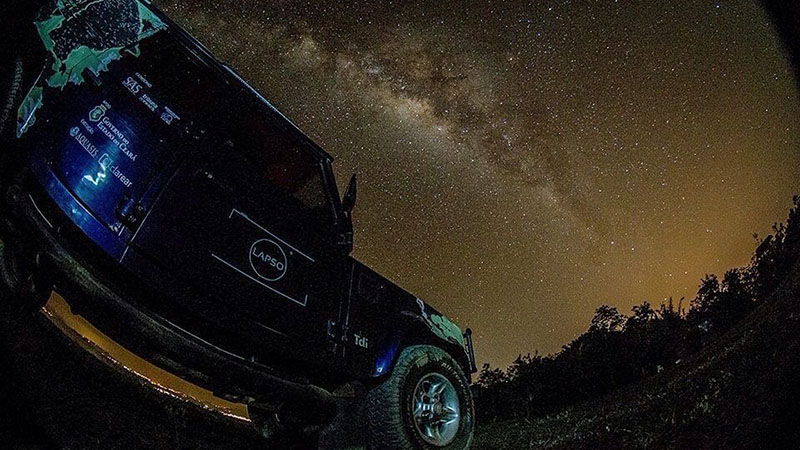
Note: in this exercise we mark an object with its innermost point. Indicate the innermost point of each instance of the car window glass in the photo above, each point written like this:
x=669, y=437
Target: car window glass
x=284, y=162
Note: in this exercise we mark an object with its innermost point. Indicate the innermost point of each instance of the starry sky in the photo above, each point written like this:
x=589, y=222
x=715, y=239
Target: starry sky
x=522, y=163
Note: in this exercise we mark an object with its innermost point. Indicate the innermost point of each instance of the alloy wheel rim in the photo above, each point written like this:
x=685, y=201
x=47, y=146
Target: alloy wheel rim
x=436, y=410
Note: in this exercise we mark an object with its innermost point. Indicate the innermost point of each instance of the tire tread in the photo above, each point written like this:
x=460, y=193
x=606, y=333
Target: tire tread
x=384, y=403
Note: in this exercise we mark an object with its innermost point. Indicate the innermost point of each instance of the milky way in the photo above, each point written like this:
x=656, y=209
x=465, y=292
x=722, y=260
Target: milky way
x=521, y=164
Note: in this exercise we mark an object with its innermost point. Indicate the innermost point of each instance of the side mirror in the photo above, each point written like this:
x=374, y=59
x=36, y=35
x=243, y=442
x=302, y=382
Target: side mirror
x=349, y=198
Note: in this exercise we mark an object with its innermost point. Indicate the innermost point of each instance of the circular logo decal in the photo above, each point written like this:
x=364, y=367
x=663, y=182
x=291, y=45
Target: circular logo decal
x=268, y=260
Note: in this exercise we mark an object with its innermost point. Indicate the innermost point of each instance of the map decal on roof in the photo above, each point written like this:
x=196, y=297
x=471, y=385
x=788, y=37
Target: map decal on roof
x=85, y=35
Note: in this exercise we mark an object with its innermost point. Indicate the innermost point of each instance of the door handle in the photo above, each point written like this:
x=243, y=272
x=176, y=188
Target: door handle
x=129, y=211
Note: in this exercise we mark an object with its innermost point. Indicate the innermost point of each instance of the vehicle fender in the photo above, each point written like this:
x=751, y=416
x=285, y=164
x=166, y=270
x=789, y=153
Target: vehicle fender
x=414, y=329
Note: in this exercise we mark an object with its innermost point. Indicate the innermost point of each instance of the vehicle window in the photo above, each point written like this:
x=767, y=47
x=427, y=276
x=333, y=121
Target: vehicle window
x=285, y=163
x=277, y=161
x=168, y=80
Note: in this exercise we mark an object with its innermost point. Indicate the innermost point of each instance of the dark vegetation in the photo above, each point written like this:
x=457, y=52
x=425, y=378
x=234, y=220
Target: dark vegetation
x=619, y=350
x=740, y=392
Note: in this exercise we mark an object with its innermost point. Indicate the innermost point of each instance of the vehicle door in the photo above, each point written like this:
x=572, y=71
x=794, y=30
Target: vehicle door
x=250, y=219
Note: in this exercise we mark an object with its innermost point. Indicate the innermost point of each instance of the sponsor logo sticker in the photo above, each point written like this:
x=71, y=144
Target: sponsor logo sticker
x=97, y=114
x=268, y=260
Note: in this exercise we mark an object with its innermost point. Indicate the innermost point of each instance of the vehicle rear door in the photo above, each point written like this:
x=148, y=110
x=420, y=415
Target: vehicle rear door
x=109, y=131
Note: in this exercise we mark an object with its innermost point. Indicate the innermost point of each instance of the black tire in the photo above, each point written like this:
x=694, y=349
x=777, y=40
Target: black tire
x=8, y=280
x=389, y=406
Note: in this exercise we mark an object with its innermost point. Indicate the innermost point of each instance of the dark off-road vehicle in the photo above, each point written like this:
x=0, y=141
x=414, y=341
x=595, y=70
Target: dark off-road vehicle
x=181, y=214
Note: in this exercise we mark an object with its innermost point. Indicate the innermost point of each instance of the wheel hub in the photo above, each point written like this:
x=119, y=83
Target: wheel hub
x=436, y=410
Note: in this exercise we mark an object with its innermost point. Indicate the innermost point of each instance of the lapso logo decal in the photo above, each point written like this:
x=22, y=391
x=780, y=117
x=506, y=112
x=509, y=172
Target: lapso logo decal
x=268, y=260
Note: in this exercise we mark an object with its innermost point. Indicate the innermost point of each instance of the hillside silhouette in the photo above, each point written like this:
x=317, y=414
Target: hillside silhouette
x=718, y=372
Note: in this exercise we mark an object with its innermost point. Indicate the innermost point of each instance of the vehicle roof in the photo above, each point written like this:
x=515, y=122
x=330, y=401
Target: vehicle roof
x=224, y=70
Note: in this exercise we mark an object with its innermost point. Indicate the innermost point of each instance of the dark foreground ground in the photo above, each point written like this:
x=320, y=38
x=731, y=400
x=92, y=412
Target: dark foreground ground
x=53, y=396
x=741, y=393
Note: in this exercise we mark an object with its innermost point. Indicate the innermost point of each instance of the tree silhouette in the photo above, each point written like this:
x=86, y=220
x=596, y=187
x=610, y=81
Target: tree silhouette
x=617, y=349
x=607, y=319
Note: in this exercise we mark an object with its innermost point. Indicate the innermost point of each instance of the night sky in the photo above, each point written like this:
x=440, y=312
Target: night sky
x=522, y=163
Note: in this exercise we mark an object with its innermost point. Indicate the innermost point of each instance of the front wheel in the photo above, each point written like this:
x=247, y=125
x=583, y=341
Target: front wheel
x=425, y=404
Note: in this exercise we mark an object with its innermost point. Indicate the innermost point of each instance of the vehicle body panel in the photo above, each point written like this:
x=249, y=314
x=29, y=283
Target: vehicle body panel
x=200, y=189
